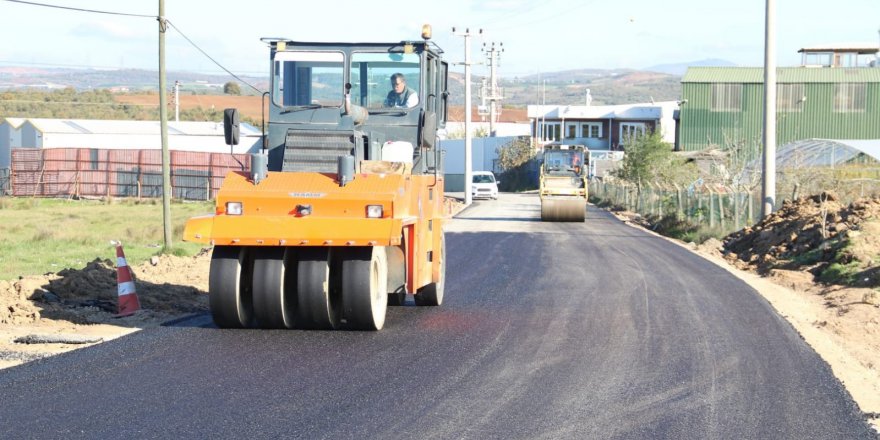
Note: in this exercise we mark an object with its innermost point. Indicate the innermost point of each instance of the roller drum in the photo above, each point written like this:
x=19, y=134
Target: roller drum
x=563, y=209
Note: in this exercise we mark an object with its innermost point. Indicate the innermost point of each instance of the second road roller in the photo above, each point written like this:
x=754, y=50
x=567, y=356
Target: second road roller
x=564, y=183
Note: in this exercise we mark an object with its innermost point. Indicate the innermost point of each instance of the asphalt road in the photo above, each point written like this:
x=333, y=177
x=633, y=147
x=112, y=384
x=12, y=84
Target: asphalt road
x=549, y=331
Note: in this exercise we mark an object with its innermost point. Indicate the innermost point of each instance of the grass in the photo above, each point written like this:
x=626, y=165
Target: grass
x=47, y=235
x=841, y=273
x=685, y=230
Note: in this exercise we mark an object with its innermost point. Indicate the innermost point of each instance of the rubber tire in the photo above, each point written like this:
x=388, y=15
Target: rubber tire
x=317, y=290
x=274, y=287
x=432, y=294
x=230, y=291
x=364, y=287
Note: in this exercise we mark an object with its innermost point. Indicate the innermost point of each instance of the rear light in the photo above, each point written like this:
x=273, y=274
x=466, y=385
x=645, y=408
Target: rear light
x=374, y=211
x=233, y=208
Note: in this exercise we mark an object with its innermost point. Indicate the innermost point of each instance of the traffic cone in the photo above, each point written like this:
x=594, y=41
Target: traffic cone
x=128, y=300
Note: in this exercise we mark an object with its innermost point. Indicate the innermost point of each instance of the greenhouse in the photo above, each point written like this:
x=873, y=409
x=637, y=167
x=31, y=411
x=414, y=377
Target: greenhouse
x=827, y=153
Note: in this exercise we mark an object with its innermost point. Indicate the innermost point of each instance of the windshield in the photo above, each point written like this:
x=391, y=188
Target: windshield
x=483, y=178
x=563, y=162
x=372, y=75
x=308, y=79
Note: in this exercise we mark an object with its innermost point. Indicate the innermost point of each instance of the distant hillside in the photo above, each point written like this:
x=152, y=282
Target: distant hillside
x=120, y=79
x=607, y=87
x=619, y=86
x=680, y=68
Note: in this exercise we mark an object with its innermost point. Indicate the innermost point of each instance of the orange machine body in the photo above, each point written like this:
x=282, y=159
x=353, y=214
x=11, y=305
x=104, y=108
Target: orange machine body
x=412, y=215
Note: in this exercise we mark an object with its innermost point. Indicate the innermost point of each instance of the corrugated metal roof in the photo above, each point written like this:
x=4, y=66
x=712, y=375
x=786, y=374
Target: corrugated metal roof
x=14, y=122
x=860, y=47
x=783, y=75
x=92, y=126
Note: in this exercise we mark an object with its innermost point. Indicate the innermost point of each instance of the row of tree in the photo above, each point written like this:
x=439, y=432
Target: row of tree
x=69, y=103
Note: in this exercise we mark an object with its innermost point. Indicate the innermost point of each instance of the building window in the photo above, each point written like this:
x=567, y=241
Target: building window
x=823, y=59
x=726, y=97
x=850, y=97
x=631, y=130
x=591, y=130
x=790, y=97
x=570, y=131
x=552, y=131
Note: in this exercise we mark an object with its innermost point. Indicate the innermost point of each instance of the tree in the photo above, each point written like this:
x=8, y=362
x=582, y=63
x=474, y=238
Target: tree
x=515, y=154
x=517, y=167
x=648, y=159
x=231, y=88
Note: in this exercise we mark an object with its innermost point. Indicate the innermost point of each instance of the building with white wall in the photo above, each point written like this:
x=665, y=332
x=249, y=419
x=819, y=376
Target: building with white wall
x=601, y=127
x=132, y=135
x=10, y=134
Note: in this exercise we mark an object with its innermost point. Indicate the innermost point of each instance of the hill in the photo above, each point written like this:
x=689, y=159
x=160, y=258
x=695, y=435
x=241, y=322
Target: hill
x=12, y=77
x=680, y=68
x=618, y=86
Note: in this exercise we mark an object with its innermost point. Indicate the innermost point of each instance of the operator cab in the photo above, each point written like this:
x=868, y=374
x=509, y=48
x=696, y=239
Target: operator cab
x=329, y=100
x=564, y=160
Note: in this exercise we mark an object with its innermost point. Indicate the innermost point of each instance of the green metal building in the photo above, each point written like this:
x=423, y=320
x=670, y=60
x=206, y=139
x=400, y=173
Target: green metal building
x=724, y=106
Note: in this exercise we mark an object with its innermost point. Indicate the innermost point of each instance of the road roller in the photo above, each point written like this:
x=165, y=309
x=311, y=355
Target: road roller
x=564, y=183
x=339, y=212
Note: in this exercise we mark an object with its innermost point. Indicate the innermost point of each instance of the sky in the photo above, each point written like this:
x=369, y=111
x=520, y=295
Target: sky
x=537, y=35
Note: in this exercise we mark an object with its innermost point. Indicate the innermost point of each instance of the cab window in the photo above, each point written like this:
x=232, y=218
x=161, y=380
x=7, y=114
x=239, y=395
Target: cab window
x=371, y=76
x=308, y=79
x=563, y=162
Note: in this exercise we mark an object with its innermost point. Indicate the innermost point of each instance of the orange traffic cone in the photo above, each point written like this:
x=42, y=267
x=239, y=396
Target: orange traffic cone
x=128, y=300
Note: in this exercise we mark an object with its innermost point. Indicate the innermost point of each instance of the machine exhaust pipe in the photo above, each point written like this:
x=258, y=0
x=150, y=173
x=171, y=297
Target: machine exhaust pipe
x=345, y=169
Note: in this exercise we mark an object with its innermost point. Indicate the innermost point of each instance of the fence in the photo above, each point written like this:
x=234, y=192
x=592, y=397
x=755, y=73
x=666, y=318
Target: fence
x=61, y=172
x=718, y=208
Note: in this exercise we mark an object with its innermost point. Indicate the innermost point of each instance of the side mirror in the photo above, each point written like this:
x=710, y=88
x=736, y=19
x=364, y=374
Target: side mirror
x=231, y=128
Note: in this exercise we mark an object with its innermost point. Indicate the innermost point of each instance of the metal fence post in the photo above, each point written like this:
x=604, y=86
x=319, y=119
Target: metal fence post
x=736, y=214
x=711, y=209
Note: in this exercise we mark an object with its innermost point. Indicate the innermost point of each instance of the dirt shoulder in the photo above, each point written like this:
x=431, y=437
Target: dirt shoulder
x=54, y=313
x=48, y=314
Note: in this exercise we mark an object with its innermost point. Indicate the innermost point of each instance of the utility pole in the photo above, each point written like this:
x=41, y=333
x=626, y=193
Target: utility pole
x=492, y=53
x=468, y=163
x=768, y=204
x=163, y=123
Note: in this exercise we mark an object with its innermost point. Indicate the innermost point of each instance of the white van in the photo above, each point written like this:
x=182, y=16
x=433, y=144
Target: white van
x=484, y=185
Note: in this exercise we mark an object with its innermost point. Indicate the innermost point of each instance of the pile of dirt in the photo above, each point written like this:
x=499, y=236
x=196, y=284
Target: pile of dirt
x=167, y=286
x=15, y=307
x=452, y=206
x=817, y=234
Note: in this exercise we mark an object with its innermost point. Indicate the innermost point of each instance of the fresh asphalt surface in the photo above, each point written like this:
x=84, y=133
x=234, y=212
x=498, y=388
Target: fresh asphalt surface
x=548, y=331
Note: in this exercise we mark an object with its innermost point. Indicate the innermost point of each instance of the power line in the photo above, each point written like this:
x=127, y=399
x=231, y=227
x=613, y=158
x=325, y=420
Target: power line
x=143, y=16
x=80, y=9
x=209, y=57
